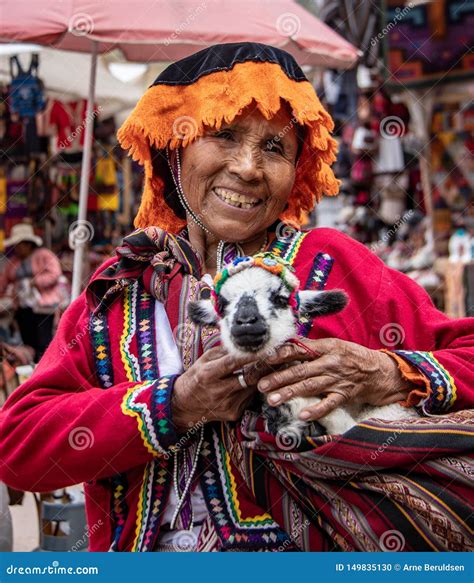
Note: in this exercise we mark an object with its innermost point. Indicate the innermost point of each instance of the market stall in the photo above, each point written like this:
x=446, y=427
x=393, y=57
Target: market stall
x=405, y=132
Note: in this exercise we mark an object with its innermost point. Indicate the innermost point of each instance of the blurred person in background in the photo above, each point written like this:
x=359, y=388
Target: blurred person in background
x=32, y=279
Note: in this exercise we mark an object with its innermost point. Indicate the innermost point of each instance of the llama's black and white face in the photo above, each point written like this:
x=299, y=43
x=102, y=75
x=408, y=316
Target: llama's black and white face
x=255, y=311
x=256, y=314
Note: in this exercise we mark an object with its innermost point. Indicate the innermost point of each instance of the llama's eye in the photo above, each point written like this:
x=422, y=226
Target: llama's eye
x=222, y=304
x=279, y=301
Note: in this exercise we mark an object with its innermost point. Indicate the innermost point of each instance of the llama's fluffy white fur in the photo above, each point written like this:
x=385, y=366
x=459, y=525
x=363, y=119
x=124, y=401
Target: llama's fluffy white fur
x=271, y=298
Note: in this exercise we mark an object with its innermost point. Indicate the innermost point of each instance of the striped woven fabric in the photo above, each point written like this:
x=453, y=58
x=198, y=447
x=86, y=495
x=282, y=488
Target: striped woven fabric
x=383, y=486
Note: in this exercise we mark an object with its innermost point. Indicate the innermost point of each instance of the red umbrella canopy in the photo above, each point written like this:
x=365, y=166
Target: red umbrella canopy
x=164, y=30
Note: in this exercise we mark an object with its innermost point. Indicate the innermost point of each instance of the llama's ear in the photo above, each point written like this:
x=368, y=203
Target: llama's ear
x=202, y=312
x=322, y=303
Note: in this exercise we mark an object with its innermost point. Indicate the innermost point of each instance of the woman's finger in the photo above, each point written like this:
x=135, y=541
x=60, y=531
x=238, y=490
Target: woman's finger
x=227, y=364
x=310, y=387
x=304, y=349
x=288, y=352
x=293, y=374
x=255, y=371
x=328, y=404
x=214, y=354
x=225, y=399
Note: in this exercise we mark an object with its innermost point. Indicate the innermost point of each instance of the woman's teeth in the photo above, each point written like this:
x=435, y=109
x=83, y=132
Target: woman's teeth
x=235, y=199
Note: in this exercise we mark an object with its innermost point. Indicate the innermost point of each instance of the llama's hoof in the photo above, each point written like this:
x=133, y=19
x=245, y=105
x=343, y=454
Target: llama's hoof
x=276, y=418
x=315, y=429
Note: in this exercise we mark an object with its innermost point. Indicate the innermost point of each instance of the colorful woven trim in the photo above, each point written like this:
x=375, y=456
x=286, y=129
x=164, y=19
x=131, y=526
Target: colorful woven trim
x=443, y=389
x=253, y=533
x=151, y=502
x=267, y=261
x=129, y=360
x=319, y=273
x=99, y=334
x=119, y=510
x=279, y=246
x=294, y=246
x=150, y=404
x=287, y=242
x=146, y=330
x=317, y=279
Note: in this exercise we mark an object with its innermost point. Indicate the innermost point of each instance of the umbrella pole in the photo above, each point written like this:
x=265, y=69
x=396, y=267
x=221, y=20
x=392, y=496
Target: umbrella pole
x=82, y=232
x=421, y=110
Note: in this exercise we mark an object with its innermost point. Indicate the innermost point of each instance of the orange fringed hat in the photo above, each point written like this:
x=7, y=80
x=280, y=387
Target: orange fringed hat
x=211, y=88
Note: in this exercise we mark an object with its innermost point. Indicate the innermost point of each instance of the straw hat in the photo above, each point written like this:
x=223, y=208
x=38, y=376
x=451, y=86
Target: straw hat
x=23, y=232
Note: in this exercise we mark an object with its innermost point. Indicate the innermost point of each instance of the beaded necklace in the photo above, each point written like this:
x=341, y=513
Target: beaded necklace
x=182, y=490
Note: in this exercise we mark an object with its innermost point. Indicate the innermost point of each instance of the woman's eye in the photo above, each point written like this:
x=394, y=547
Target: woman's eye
x=224, y=134
x=272, y=146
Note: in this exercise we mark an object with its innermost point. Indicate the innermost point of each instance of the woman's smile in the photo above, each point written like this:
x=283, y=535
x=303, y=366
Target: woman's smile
x=234, y=181
x=236, y=200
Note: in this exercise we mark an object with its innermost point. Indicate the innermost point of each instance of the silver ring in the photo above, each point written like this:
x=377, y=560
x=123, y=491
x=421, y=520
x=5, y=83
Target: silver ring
x=242, y=381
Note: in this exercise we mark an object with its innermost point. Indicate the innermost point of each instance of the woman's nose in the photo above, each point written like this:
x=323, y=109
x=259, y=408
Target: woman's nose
x=247, y=163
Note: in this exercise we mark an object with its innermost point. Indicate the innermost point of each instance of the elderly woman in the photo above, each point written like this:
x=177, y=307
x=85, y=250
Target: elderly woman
x=150, y=412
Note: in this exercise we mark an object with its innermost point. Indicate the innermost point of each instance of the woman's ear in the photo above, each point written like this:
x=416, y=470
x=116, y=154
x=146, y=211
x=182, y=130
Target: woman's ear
x=162, y=170
x=202, y=312
x=321, y=303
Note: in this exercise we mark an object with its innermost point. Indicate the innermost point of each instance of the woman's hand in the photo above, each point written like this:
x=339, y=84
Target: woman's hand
x=342, y=372
x=209, y=390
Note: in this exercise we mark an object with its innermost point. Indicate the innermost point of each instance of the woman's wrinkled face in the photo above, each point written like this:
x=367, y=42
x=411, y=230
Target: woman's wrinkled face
x=238, y=179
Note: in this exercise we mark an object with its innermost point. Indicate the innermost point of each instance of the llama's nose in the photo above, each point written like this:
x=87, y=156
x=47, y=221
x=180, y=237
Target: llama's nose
x=246, y=317
x=249, y=328
x=247, y=313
